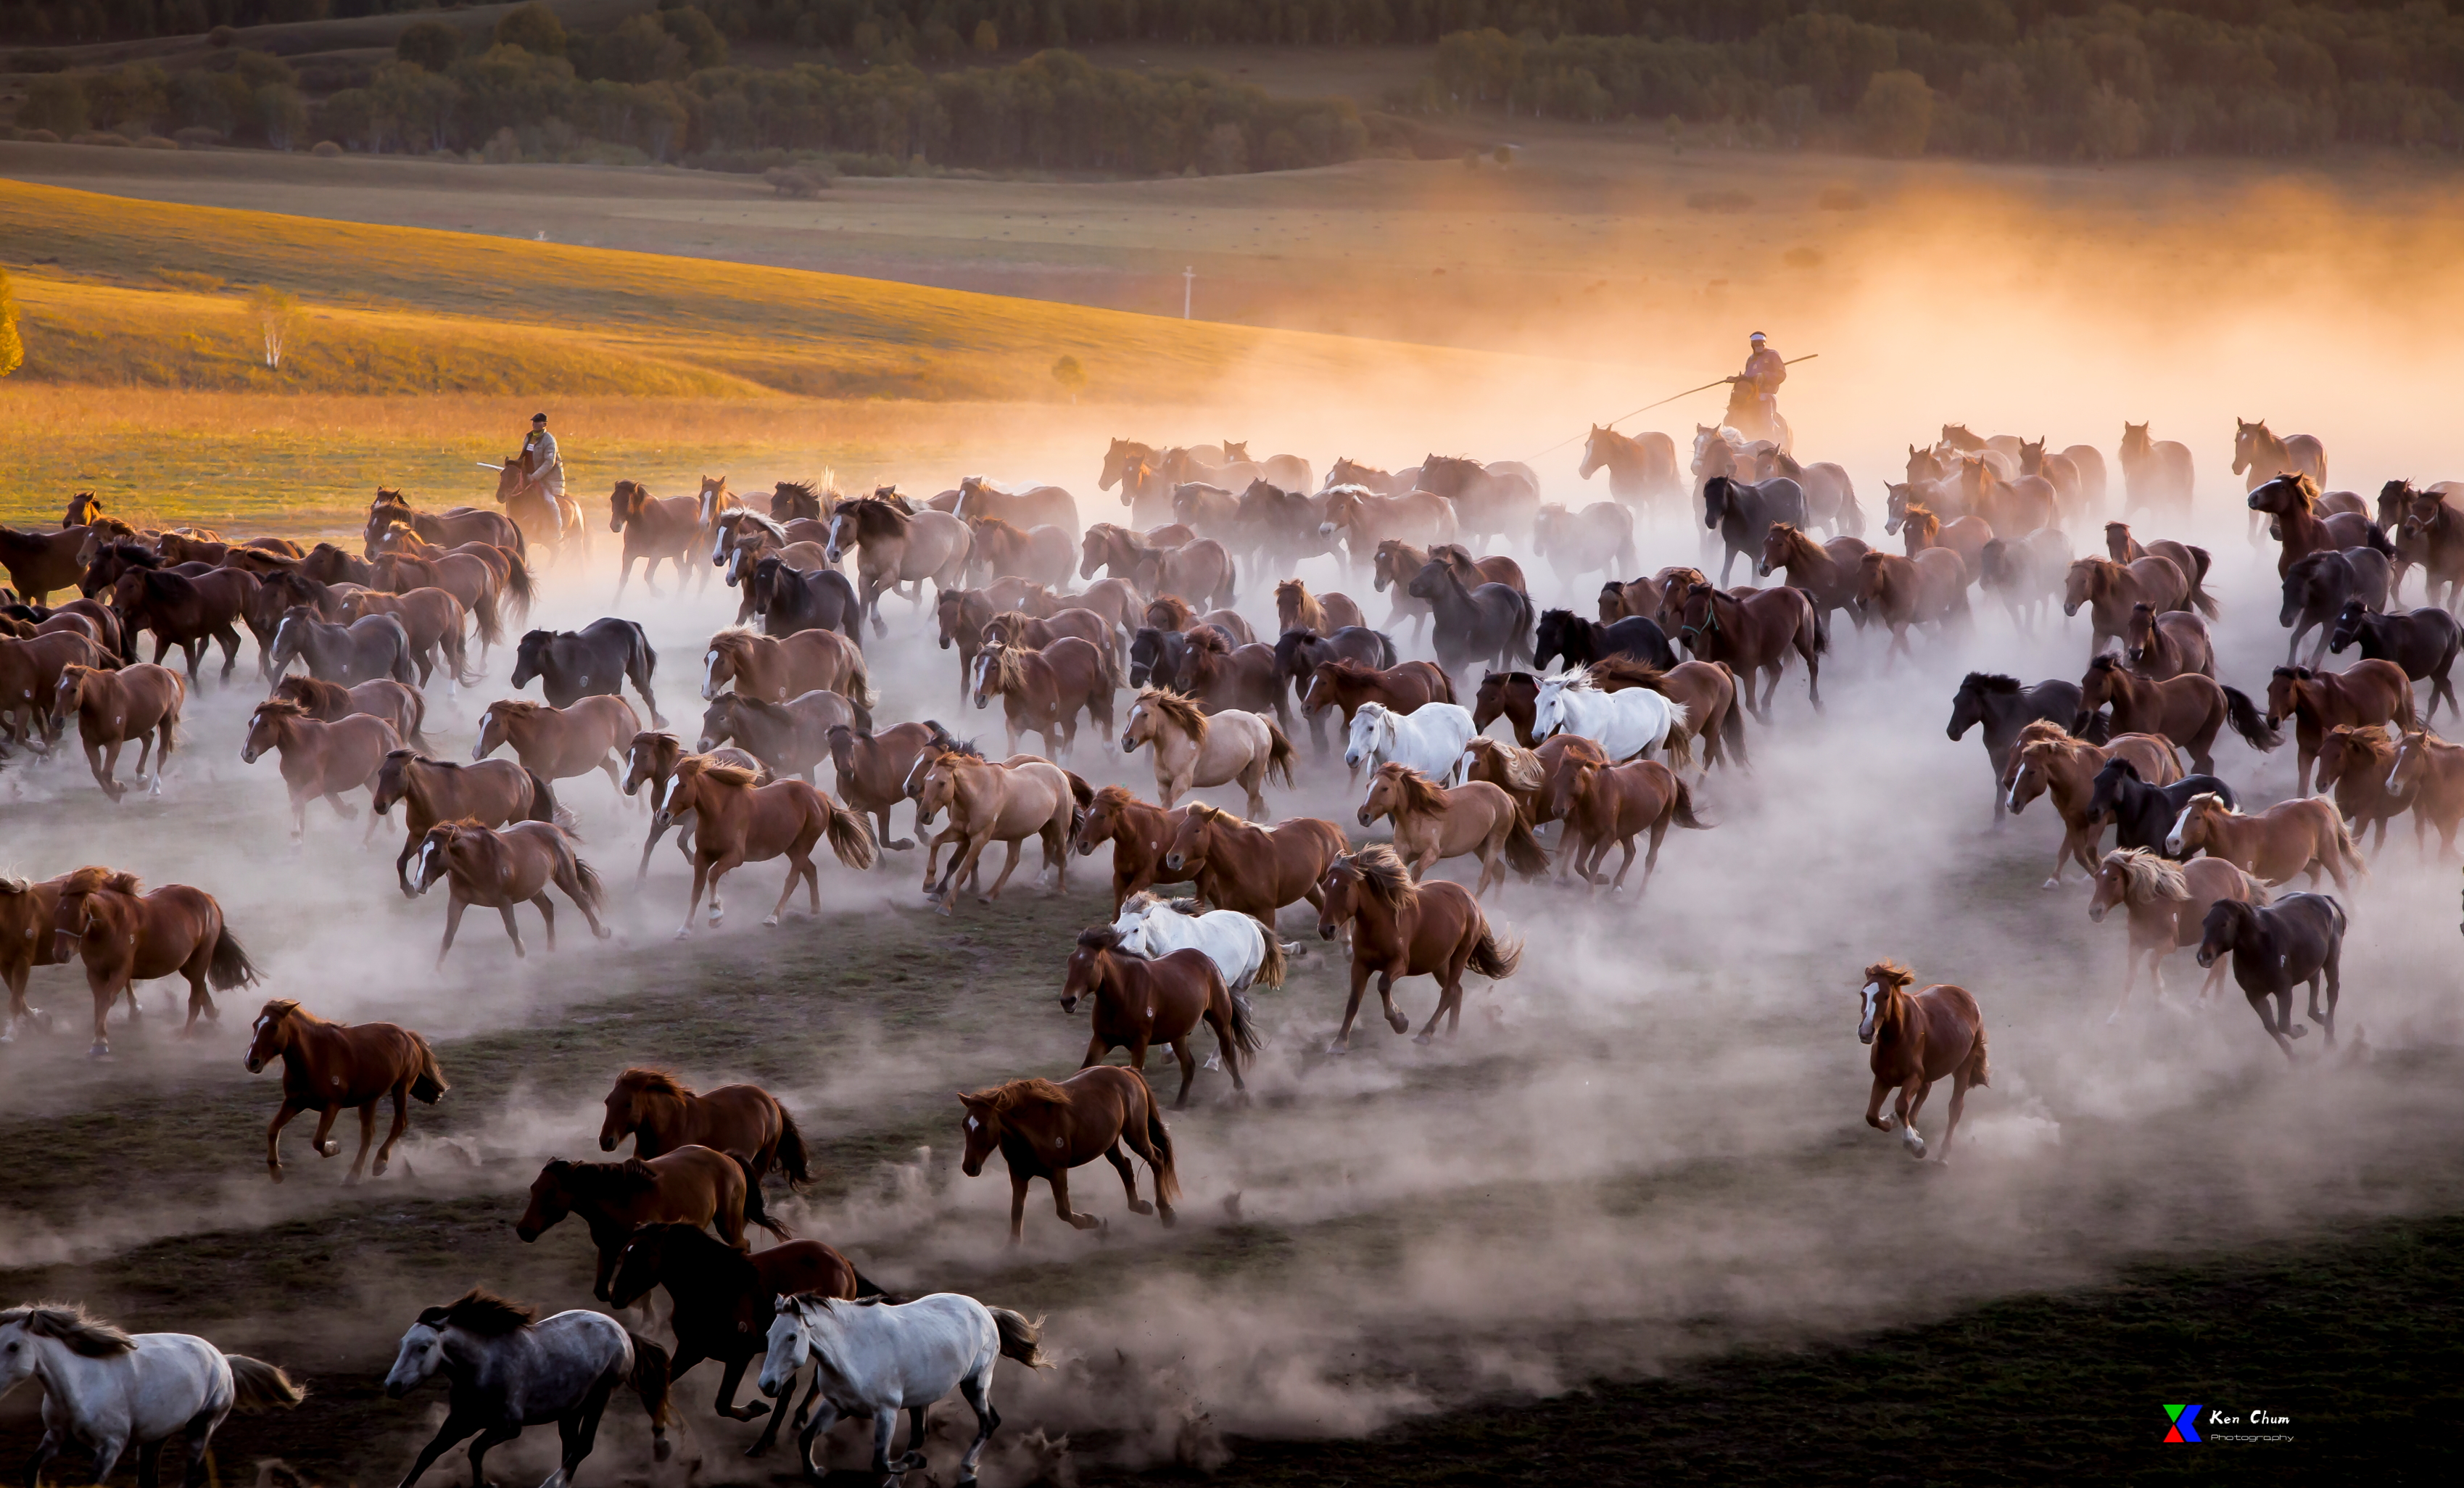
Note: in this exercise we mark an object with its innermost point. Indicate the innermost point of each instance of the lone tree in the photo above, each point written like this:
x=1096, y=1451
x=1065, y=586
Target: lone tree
x=12, y=347
x=1072, y=377
x=277, y=315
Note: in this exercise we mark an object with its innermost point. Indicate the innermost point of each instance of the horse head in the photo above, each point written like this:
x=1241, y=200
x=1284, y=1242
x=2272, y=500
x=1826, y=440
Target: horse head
x=1886, y=984
x=271, y=1034
x=550, y=1201
x=1373, y=735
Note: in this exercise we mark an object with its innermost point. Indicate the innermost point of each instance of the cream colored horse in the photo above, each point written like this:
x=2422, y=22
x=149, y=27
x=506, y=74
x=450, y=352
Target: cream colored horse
x=1194, y=750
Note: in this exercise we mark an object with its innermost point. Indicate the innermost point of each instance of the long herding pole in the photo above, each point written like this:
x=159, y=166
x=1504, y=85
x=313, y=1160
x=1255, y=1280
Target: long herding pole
x=1671, y=397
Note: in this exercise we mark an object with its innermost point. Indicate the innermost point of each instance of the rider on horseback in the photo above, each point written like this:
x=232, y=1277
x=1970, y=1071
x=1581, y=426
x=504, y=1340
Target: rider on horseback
x=1753, y=393
x=543, y=468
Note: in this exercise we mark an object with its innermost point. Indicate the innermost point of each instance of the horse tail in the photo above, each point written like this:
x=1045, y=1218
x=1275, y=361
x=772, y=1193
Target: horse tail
x=1245, y=1027
x=866, y=1286
x=1821, y=624
x=417, y=723
x=1978, y=1064
x=1525, y=625
x=1279, y=751
x=1167, y=1180
x=642, y=655
x=427, y=1086
x=2200, y=598
x=793, y=1162
x=1494, y=958
x=543, y=807
x=517, y=583
x=1679, y=746
x=1681, y=810
x=2349, y=851
x=851, y=837
x=229, y=966
x=1732, y=722
x=1019, y=1337
x=2249, y=722
x=860, y=690
x=1447, y=686
x=405, y=668
x=2099, y=726
x=1273, y=962
x=258, y=1385
x=1524, y=853
x=754, y=1213
x=1231, y=594
x=1082, y=800
x=1386, y=650
x=483, y=614
x=649, y=1379
x=589, y=891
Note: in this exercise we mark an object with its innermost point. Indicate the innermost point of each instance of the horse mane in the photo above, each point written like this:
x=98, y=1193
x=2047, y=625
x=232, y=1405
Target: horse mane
x=1891, y=974
x=1345, y=669
x=1008, y=664
x=798, y=487
x=735, y=641
x=2208, y=799
x=134, y=554
x=996, y=526
x=1522, y=766
x=1102, y=937
x=2297, y=673
x=482, y=1312
x=1626, y=669
x=745, y=514
x=1452, y=462
x=72, y=1324
x=2148, y=875
x=1214, y=816
x=1383, y=877
x=281, y=708
x=1180, y=708
x=1008, y=625
x=287, y=1007
x=1916, y=513
x=630, y=1175
x=515, y=707
x=2370, y=741
x=876, y=511
x=732, y=776
x=92, y=879
x=1006, y=1097
x=1175, y=609
x=652, y=1082
x=2104, y=661
x=1116, y=797
x=1420, y=796
x=1796, y=540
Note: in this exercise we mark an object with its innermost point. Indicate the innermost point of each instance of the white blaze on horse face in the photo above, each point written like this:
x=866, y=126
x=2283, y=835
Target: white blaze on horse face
x=838, y=524
x=426, y=875
x=1873, y=1006
x=2181, y=823
x=709, y=675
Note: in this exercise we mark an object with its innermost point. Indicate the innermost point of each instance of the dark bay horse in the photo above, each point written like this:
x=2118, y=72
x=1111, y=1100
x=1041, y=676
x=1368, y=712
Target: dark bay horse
x=330, y=1069
x=1755, y=633
x=596, y=661
x=490, y=792
x=2142, y=815
x=2276, y=948
x=691, y=1185
x=1577, y=641
x=1402, y=928
x=2003, y=707
x=1043, y=1129
x=1139, y=1003
x=1919, y=1038
x=2370, y=694
x=662, y=1113
x=2424, y=643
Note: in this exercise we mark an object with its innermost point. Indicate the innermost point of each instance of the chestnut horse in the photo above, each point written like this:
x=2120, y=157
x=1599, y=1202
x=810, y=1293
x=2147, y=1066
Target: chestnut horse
x=1401, y=689
x=691, y=1185
x=2367, y=694
x=2292, y=502
x=1510, y=768
x=491, y=793
x=661, y=1113
x=498, y=870
x=2353, y=762
x=319, y=759
x=988, y=802
x=125, y=936
x=2189, y=710
x=2049, y=761
x=650, y=759
x=1707, y=690
x=27, y=910
x=1918, y=1037
x=2299, y=836
x=560, y=743
x=736, y=821
x=1044, y=691
x=1253, y=870
x=872, y=770
x=2160, y=647
x=2109, y=590
x=141, y=701
x=1402, y=928
x=1140, y=831
x=2430, y=771
x=1753, y=633
x=1826, y=571
x=1043, y=1129
x=1139, y=1003
x=1929, y=589
x=774, y=669
x=1606, y=805
x=2166, y=903
x=1325, y=614
x=330, y=1069
x=655, y=532
x=1432, y=824
x=1193, y=751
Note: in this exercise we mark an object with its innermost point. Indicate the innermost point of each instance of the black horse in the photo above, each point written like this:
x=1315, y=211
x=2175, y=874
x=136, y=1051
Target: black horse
x=595, y=661
x=1491, y=623
x=2144, y=815
x=368, y=649
x=2004, y=708
x=2299, y=938
x=790, y=598
x=1299, y=652
x=2319, y=587
x=1741, y=513
x=1581, y=641
x=2423, y=642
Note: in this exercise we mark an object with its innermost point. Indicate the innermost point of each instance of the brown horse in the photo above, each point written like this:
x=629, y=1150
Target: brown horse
x=1193, y=750
x=662, y=1113
x=1402, y=688
x=2047, y=760
x=430, y=791
x=2166, y=903
x=1918, y=1037
x=397, y=703
x=655, y=532
x=873, y=771
x=27, y=910
x=1826, y=571
x=560, y=743
x=1709, y=689
x=330, y=1069
x=498, y=870
x=774, y=669
x=1965, y=537
x=30, y=678
x=187, y=612
x=431, y=618
x=2292, y=503
x=1000, y=549
x=651, y=760
x=2354, y=763
x=2430, y=771
x=1008, y=802
x=140, y=702
x=1042, y=1129
x=1017, y=627
x=2367, y=694
x=2164, y=646
x=1367, y=521
x=2300, y=836
x=691, y=1185
x=2123, y=548
x=465, y=576
x=1396, y=563
x=792, y=737
x=1139, y=1003
x=1044, y=691
x=1140, y=831
x=1753, y=633
x=125, y=936
x=2189, y=710
x=896, y=547
x=1510, y=768
x=319, y=759
x=1606, y=805
x=1324, y=614
x=2109, y=590
x=39, y=563
x=2433, y=536
x=1402, y=928
x=1256, y=870
x=1930, y=589
x=737, y=822
x=1432, y=823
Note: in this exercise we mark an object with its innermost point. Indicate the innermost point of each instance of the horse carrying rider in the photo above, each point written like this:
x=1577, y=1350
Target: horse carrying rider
x=1756, y=390
x=543, y=468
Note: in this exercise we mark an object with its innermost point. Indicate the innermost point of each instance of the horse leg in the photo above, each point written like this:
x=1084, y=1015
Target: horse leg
x=1386, y=976
x=974, y=1391
x=401, y=1124
x=1120, y=1162
x=367, y=1139
x=2326, y=1020
x=273, y=1136
x=1650, y=862
x=1874, y=1116
x=1016, y=1205
x=513, y=932
x=1059, y=1179
x=1912, y=1096
x=1351, y=1008
x=105, y=768
x=1958, y=1103
x=885, y=1431
x=732, y=1374
x=149, y=1464
x=320, y=1143
x=342, y=808
x=570, y=882
x=824, y=1416
x=1188, y=1070
x=453, y=907
x=1016, y=851
x=105, y=993
x=547, y=913
x=916, y=1423
x=797, y=868
x=402, y=868
x=493, y=1437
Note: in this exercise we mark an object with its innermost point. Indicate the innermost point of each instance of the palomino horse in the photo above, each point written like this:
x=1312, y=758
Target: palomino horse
x=1402, y=928
x=2299, y=938
x=2430, y=771
x=1643, y=468
x=1605, y=806
x=1042, y=1128
x=873, y=771
x=736, y=821
x=1753, y=633
x=2367, y=694
x=662, y=1113
x=774, y=669
x=330, y=1069
x=507, y=1371
x=2155, y=474
x=561, y=743
x=1139, y=1003
x=1255, y=870
x=2292, y=837
x=2189, y=710
x=1140, y=831
x=596, y=661
x=491, y=793
x=1918, y=1037
x=107, y=1390
x=2049, y=761
x=1044, y=691
x=125, y=936
x=893, y=548
x=1193, y=751
x=1432, y=823
x=656, y=531
x=319, y=759
x=988, y=804
x=691, y=1185
x=498, y=870
x=140, y=702
x=2166, y=905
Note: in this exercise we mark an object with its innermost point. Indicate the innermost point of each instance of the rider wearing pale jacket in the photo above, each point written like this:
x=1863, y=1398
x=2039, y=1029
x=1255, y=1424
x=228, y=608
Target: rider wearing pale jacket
x=1764, y=368
x=543, y=467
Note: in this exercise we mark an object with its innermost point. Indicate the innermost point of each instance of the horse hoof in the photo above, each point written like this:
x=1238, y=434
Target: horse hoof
x=98, y=1050
x=685, y=933
x=1400, y=1024
x=2051, y=883
x=602, y=931
x=377, y=1172
x=1140, y=1206
x=329, y=1149
x=273, y=1171
x=1338, y=1047
x=1419, y=1039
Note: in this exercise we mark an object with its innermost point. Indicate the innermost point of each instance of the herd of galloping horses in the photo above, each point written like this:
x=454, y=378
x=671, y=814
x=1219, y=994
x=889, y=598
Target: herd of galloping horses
x=1612, y=721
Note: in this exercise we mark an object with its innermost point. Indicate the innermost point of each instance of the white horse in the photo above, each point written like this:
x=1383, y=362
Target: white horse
x=508, y=1372
x=1152, y=926
x=1431, y=738
x=876, y=1358
x=106, y=1391
x=1623, y=724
